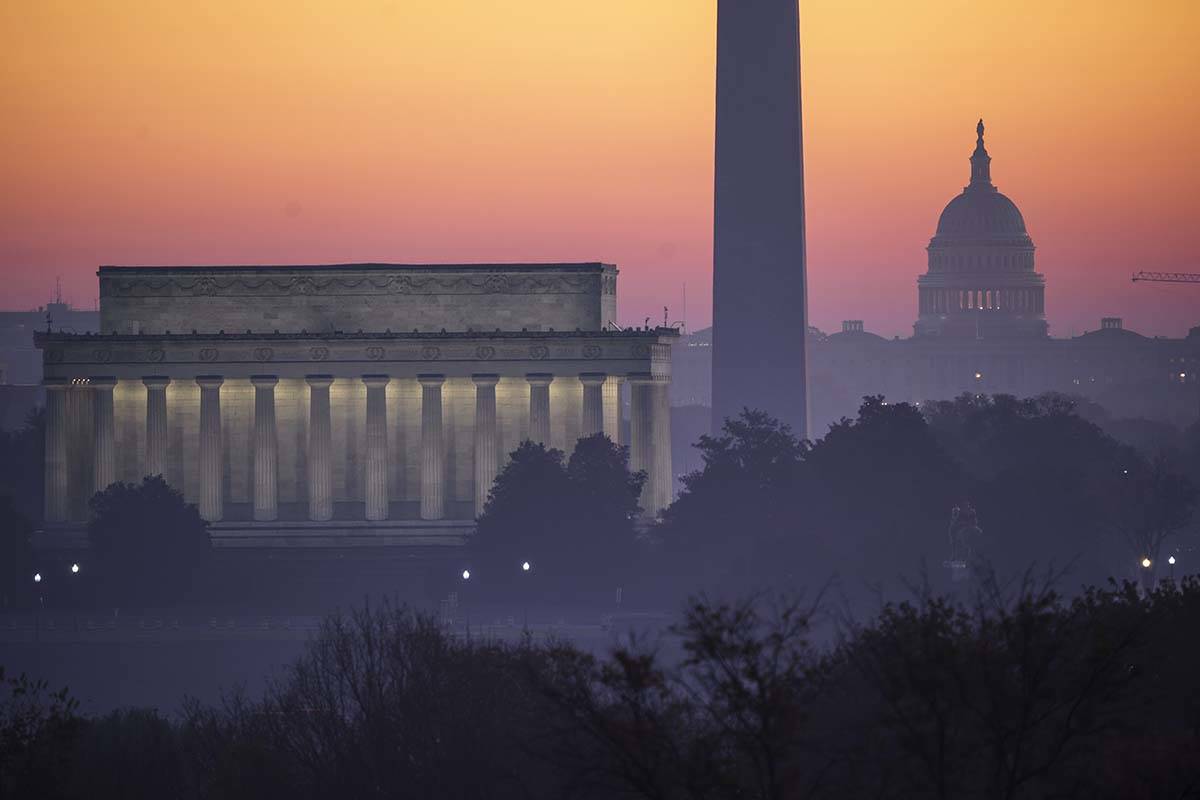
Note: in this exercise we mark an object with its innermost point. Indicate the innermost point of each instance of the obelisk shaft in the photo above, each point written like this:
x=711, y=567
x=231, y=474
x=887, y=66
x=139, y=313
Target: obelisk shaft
x=759, y=284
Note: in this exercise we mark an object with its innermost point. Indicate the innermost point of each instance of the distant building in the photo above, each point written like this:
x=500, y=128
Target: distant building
x=981, y=328
x=344, y=405
x=21, y=362
x=981, y=281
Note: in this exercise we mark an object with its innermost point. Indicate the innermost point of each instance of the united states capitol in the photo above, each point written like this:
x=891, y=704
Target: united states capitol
x=982, y=327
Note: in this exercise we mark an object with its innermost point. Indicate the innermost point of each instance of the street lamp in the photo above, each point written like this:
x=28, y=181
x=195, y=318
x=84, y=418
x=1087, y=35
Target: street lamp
x=74, y=569
x=1146, y=562
x=466, y=575
x=1171, y=561
x=525, y=567
x=37, y=577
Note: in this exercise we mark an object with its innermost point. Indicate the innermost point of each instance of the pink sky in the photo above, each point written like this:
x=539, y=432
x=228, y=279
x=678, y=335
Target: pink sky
x=478, y=130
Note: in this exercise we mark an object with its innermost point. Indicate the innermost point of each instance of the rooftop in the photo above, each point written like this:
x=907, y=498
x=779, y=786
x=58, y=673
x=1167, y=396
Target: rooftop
x=585, y=266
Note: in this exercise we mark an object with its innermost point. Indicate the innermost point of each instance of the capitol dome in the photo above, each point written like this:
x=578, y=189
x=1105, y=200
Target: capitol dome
x=980, y=280
x=981, y=213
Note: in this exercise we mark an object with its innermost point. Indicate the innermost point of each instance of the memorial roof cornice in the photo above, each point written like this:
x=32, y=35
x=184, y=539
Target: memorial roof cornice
x=183, y=269
x=633, y=333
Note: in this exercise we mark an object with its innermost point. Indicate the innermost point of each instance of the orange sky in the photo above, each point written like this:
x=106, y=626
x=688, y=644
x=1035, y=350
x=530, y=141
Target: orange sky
x=267, y=131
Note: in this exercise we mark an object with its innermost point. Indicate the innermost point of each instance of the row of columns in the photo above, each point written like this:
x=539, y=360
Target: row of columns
x=943, y=301
x=650, y=449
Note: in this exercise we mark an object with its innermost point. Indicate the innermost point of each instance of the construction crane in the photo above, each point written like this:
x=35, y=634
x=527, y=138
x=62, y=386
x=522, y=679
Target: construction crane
x=1167, y=277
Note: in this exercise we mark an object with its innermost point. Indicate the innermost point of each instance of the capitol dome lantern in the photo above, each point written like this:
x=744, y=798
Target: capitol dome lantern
x=980, y=281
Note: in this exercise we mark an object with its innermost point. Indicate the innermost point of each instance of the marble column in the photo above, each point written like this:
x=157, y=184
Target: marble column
x=376, y=491
x=156, y=423
x=662, y=479
x=212, y=500
x=56, y=492
x=487, y=448
x=539, y=407
x=320, y=449
x=640, y=430
x=593, y=403
x=104, y=465
x=612, y=408
x=266, y=449
x=433, y=457
x=650, y=440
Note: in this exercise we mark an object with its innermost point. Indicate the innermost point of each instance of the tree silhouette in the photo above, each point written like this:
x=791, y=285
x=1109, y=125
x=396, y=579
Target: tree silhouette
x=15, y=554
x=21, y=457
x=1053, y=488
x=573, y=523
x=737, y=519
x=149, y=543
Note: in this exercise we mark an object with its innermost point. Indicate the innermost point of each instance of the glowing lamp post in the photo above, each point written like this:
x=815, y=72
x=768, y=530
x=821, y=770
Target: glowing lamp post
x=525, y=568
x=466, y=576
x=37, y=622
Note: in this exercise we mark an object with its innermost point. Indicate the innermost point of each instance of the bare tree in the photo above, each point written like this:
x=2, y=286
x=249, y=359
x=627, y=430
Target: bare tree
x=732, y=720
x=1006, y=698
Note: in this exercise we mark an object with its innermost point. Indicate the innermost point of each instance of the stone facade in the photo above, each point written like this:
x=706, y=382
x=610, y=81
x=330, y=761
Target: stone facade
x=310, y=437
x=358, y=297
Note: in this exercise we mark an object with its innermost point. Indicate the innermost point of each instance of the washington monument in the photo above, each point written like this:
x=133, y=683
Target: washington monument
x=759, y=282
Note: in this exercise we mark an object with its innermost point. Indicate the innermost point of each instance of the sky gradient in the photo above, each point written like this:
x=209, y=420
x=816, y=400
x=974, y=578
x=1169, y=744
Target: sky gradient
x=531, y=130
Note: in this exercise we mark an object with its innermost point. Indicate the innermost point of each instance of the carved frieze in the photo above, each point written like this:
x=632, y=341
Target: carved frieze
x=304, y=285
x=282, y=350
x=205, y=287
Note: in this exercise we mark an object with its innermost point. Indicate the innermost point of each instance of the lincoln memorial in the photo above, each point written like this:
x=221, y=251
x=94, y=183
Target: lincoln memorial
x=348, y=404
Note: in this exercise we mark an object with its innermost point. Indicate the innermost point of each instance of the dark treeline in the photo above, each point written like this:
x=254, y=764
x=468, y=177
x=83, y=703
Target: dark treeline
x=867, y=504
x=1021, y=694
